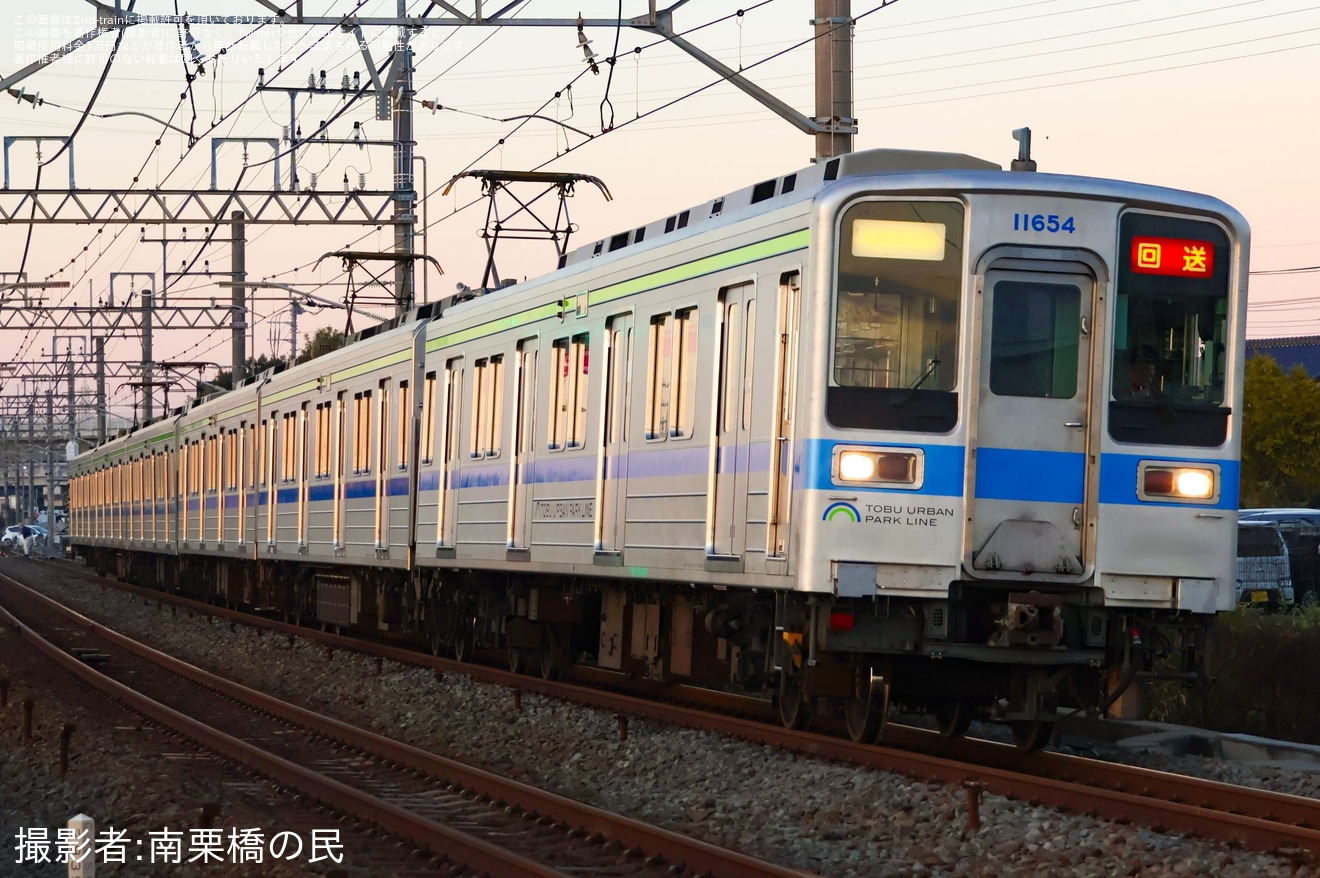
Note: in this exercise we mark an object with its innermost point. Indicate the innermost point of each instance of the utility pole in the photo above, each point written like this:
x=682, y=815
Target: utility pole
x=147, y=409
x=50, y=430
x=834, y=78
x=405, y=196
x=100, y=390
x=238, y=306
x=73, y=404
x=31, y=467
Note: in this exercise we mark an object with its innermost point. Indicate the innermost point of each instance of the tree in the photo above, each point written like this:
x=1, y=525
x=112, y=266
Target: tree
x=323, y=342
x=225, y=378
x=1280, y=436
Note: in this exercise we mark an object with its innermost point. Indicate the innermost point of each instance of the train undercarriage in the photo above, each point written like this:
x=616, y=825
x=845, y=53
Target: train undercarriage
x=1021, y=658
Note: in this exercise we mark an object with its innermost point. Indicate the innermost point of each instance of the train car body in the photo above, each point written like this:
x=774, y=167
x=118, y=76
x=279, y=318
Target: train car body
x=897, y=425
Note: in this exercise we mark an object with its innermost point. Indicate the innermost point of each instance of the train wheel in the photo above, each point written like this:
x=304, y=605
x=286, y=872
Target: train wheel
x=1030, y=735
x=865, y=712
x=794, y=712
x=953, y=719
x=552, y=662
x=465, y=640
x=516, y=660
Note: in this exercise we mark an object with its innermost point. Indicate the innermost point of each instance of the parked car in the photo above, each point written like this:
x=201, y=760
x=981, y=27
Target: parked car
x=1301, y=532
x=1264, y=577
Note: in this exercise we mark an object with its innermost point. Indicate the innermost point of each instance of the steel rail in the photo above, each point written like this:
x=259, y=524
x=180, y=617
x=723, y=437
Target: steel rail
x=699, y=856
x=472, y=852
x=1254, y=818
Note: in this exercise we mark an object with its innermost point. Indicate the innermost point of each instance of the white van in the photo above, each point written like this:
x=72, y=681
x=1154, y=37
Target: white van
x=1264, y=579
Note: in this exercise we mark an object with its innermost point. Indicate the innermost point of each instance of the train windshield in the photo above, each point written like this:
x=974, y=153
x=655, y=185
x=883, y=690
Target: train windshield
x=1170, y=332
x=896, y=312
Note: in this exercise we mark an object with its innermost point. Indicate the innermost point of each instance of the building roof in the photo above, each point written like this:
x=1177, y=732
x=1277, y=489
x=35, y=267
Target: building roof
x=1301, y=350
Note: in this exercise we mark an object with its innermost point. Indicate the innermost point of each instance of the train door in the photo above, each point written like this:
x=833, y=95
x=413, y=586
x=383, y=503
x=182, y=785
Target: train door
x=450, y=443
x=523, y=460
x=726, y=532
x=781, y=442
x=612, y=476
x=1032, y=422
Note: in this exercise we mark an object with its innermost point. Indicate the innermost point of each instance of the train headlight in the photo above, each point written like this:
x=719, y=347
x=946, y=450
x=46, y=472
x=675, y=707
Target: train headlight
x=856, y=466
x=892, y=467
x=1178, y=482
x=1197, y=483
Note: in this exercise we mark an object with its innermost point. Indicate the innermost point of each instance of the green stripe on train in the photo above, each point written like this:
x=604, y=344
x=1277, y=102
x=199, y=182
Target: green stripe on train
x=687, y=271
x=372, y=365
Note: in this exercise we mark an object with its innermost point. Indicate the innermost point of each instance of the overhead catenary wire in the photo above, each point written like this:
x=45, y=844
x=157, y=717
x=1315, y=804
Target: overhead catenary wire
x=231, y=117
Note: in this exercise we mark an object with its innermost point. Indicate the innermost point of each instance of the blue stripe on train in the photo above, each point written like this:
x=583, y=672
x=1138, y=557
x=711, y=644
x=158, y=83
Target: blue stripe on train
x=1035, y=476
x=1001, y=473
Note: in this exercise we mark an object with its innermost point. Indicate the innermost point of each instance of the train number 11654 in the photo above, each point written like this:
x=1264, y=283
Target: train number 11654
x=1040, y=222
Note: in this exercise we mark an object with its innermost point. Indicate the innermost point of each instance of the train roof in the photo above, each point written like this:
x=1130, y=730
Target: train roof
x=778, y=191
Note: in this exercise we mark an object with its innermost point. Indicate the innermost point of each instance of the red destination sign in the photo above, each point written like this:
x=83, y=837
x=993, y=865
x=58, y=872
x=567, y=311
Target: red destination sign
x=1178, y=257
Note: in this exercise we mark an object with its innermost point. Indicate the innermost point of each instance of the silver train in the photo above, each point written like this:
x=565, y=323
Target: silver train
x=899, y=425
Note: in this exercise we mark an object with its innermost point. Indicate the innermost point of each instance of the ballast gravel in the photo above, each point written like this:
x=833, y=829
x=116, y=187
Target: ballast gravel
x=820, y=817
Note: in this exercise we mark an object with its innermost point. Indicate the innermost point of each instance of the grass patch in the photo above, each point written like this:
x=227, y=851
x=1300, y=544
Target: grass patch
x=1263, y=673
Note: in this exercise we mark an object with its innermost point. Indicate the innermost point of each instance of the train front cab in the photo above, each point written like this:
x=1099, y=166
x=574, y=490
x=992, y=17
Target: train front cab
x=1025, y=471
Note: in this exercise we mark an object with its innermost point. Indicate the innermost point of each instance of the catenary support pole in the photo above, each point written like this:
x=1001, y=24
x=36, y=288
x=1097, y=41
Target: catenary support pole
x=405, y=196
x=238, y=306
x=834, y=77
x=148, y=410
x=100, y=390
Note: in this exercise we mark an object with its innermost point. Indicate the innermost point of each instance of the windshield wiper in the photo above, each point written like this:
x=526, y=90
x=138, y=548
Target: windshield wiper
x=916, y=385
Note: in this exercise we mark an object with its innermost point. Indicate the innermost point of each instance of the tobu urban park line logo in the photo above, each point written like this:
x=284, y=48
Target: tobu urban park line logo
x=841, y=512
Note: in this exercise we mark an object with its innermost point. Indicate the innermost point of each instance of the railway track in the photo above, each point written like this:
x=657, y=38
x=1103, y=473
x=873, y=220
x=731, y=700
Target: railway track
x=1249, y=817
x=476, y=822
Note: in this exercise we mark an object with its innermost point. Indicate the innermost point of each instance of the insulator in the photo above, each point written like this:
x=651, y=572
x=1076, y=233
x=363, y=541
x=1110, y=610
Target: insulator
x=315, y=174
x=346, y=189
x=357, y=80
x=311, y=80
x=286, y=133
x=362, y=181
x=261, y=77
x=322, y=80
x=344, y=84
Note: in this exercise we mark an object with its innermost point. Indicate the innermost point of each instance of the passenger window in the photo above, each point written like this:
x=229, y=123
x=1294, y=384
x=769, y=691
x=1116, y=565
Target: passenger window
x=487, y=406
x=568, y=403
x=895, y=323
x=900, y=273
x=658, y=367
x=428, y=419
x=405, y=422
x=684, y=385
x=1170, y=334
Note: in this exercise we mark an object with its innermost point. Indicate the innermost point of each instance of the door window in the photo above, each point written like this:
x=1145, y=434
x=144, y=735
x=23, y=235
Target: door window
x=1033, y=340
